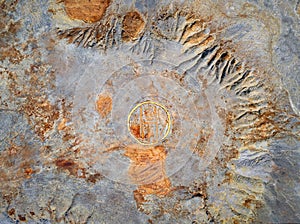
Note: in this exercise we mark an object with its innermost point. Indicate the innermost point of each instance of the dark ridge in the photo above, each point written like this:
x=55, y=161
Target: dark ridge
x=250, y=89
x=185, y=29
x=224, y=71
x=220, y=62
x=240, y=80
x=209, y=63
x=208, y=51
x=230, y=67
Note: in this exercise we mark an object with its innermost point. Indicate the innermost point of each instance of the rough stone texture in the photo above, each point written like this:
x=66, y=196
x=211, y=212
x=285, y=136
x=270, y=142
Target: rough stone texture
x=227, y=73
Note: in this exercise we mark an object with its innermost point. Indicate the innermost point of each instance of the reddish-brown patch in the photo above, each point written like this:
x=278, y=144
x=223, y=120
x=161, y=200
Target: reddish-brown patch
x=72, y=167
x=28, y=172
x=251, y=201
x=135, y=129
x=11, y=212
x=22, y=218
x=94, y=178
x=86, y=10
x=62, y=124
x=132, y=26
x=104, y=105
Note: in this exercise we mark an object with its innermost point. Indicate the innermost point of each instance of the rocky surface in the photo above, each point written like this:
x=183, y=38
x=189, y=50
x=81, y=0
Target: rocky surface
x=149, y=111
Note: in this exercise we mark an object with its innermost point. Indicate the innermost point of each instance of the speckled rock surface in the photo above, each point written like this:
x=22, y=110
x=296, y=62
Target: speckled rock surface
x=149, y=111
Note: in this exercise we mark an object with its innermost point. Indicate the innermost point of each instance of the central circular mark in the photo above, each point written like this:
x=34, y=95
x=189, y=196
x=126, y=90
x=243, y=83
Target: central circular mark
x=149, y=122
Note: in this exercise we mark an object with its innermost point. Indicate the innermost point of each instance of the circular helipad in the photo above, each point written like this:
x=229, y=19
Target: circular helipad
x=149, y=123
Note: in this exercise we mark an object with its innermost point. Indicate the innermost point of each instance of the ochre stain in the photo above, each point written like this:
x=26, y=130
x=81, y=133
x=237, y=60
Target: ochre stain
x=104, y=105
x=147, y=170
x=86, y=10
x=135, y=130
x=132, y=26
x=62, y=124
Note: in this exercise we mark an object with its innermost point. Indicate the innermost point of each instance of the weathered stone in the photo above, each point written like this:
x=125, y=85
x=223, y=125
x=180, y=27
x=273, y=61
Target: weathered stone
x=149, y=111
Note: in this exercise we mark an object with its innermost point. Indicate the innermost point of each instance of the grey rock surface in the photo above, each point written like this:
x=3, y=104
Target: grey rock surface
x=224, y=73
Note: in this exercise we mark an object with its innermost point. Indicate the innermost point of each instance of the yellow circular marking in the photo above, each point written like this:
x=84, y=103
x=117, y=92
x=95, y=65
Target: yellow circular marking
x=168, y=121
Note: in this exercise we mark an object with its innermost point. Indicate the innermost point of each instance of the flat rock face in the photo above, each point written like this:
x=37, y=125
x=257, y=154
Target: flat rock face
x=149, y=111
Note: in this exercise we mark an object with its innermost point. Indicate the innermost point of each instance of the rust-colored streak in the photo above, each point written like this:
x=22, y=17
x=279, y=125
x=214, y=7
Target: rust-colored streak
x=104, y=105
x=86, y=10
x=132, y=26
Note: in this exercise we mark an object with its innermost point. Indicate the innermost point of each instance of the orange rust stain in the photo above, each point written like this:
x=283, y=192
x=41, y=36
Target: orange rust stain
x=86, y=10
x=28, y=172
x=132, y=26
x=104, y=105
x=62, y=124
x=143, y=156
x=147, y=170
x=135, y=130
x=161, y=188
